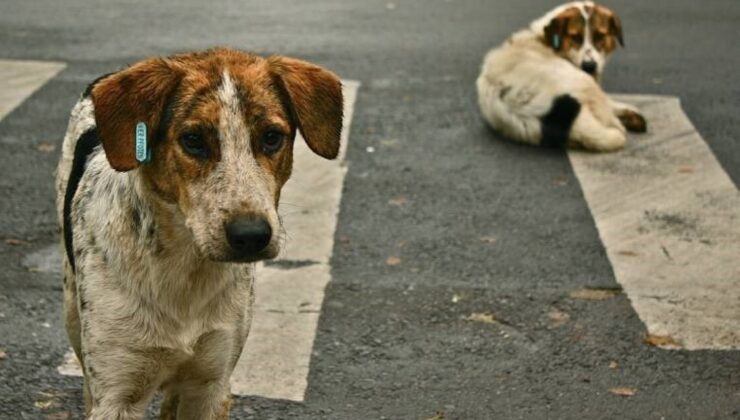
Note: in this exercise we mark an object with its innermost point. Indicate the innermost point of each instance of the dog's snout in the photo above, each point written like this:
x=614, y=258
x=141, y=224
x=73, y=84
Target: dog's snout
x=589, y=67
x=248, y=235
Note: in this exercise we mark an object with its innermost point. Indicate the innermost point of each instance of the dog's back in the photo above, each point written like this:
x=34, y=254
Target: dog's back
x=79, y=142
x=81, y=121
x=531, y=88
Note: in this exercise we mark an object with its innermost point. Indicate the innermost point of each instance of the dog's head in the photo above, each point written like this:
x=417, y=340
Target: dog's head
x=584, y=33
x=221, y=125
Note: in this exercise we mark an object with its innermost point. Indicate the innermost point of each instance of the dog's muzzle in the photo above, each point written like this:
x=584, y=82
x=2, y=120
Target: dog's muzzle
x=248, y=236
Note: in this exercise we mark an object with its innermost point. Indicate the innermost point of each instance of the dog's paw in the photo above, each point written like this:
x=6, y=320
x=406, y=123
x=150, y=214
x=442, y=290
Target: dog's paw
x=633, y=121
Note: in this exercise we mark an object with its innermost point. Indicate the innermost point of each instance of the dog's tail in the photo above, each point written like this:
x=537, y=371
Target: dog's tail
x=556, y=124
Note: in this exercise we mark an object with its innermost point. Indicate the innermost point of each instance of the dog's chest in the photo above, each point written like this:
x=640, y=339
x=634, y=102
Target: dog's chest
x=161, y=302
x=161, y=289
x=196, y=303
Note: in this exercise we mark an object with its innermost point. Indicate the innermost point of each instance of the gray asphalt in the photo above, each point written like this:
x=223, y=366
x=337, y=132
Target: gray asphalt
x=391, y=342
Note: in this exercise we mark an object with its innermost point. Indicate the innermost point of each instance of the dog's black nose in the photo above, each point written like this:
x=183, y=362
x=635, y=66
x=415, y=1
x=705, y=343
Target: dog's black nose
x=589, y=67
x=248, y=235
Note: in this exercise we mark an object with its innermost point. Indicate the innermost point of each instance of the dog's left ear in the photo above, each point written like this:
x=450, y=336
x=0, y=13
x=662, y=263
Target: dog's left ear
x=316, y=97
x=615, y=28
x=134, y=95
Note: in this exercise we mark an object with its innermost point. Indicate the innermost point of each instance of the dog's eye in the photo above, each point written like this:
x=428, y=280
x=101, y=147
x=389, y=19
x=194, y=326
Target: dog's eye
x=194, y=145
x=272, y=140
x=578, y=39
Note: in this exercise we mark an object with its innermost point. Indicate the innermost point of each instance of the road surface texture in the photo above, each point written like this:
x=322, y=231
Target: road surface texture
x=468, y=277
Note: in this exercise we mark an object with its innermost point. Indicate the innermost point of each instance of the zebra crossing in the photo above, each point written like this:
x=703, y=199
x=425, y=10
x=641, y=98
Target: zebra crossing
x=669, y=218
x=667, y=214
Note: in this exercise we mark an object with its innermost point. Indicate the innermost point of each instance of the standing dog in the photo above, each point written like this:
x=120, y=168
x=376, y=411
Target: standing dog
x=167, y=190
x=542, y=85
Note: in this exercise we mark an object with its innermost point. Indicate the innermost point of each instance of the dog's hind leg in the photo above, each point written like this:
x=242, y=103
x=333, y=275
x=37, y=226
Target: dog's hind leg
x=591, y=134
x=629, y=116
x=72, y=325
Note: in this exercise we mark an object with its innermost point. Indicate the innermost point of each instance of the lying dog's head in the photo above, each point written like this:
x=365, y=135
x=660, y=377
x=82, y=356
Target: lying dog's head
x=221, y=126
x=584, y=33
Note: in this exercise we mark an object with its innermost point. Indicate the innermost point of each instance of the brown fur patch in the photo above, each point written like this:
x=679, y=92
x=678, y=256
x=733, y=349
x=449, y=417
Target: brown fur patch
x=570, y=28
x=566, y=30
x=633, y=121
x=123, y=99
x=179, y=95
x=606, y=29
x=316, y=96
x=195, y=108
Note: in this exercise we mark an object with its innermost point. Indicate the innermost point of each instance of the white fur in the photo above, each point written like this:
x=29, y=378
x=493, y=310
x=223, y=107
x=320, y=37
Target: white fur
x=156, y=314
x=158, y=299
x=520, y=79
x=238, y=184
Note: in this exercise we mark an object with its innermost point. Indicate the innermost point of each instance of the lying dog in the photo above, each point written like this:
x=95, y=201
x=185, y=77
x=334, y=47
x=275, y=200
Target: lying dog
x=542, y=85
x=167, y=190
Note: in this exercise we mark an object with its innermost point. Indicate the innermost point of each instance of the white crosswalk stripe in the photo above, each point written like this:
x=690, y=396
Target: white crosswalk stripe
x=19, y=79
x=669, y=217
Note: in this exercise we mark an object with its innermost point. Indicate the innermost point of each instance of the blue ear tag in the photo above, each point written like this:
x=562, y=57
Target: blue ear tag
x=143, y=151
x=556, y=41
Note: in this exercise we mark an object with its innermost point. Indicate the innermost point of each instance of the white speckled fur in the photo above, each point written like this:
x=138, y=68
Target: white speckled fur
x=158, y=294
x=193, y=311
x=237, y=178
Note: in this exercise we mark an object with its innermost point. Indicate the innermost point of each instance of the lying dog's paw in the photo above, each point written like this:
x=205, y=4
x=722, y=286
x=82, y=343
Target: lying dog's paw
x=633, y=121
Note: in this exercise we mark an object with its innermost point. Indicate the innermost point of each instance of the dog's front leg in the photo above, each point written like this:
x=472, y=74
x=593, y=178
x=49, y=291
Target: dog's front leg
x=202, y=386
x=204, y=401
x=629, y=116
x=121, y=380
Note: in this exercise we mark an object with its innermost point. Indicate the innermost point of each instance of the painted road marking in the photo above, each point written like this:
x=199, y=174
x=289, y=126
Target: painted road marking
x=290, y=290
x=669, y=217
x=19, y=79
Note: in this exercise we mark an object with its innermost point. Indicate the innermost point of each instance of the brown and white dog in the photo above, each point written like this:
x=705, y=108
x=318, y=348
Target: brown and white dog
x=158, y=280
x=541, y=86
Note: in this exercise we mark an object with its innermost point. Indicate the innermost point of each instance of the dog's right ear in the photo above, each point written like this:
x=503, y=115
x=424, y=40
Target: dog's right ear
x=124, y=99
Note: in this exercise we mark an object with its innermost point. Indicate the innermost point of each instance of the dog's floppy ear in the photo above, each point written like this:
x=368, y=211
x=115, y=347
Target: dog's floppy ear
x=609, y=21
x=124, y=99
x=555, y=31
x=316, y=98
x=615, y=28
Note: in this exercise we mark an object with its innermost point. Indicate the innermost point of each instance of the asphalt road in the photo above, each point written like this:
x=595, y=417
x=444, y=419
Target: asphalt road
x=497, y=227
